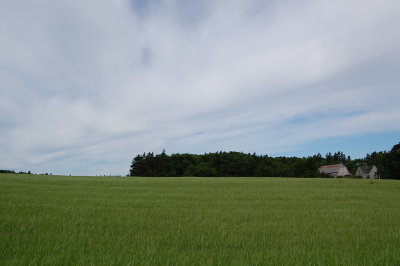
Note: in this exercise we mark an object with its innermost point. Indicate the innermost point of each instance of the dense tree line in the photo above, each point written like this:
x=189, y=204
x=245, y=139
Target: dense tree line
x=3, y=171
x=231, y=164
x=388, y=163
x=242, y=164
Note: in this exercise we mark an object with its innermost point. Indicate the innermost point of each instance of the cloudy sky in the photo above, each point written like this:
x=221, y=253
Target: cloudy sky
x=86, y=85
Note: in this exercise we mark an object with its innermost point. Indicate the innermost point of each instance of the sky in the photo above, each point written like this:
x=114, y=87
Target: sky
x=87, y=85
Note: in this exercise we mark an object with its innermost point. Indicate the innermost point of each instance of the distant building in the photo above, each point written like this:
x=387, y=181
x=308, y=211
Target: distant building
x=334, y=170
x=366, y=171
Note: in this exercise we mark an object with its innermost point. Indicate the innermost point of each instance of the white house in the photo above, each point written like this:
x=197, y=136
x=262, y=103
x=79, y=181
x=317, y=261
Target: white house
x=334, y=170
x=366, y=171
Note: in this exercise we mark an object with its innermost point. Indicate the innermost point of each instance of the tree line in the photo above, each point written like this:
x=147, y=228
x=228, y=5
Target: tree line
x=4, y=171
x=224, y=164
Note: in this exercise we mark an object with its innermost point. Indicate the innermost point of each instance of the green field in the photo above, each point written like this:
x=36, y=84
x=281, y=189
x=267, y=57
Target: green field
x=54, y=220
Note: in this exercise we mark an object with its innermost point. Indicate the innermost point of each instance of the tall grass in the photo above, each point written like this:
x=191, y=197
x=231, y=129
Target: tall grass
x=54, y=220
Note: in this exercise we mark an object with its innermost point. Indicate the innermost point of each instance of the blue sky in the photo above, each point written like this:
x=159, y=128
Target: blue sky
x=87, y=85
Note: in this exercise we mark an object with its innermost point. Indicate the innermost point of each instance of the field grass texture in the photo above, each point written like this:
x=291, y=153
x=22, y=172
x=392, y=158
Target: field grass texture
x=57, y=220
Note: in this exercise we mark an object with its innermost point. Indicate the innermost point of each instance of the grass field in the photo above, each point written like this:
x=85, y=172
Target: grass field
x=54, y=220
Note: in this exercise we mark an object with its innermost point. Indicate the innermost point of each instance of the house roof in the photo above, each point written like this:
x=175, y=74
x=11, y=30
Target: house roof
x=328, y=169
x=366, y=169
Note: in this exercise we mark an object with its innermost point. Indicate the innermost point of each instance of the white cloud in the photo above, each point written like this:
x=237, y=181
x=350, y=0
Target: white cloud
x=87, y=85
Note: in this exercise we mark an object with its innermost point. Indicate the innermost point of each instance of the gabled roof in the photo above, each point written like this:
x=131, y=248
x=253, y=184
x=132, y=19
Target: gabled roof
x=366, y=169
x=328, y=169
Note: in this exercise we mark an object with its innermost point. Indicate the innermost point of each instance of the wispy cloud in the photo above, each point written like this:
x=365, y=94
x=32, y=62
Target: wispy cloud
x=85, y=85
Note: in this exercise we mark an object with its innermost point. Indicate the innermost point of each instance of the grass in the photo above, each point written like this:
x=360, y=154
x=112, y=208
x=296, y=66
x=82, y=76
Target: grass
x=54, y=220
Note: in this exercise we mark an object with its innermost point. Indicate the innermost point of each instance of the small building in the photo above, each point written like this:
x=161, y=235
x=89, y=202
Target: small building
x=334, y=170
x=366, y=171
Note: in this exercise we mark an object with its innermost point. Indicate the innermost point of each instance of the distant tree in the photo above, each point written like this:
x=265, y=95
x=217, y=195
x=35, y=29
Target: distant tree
x=329, y=158
x=395, y=161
